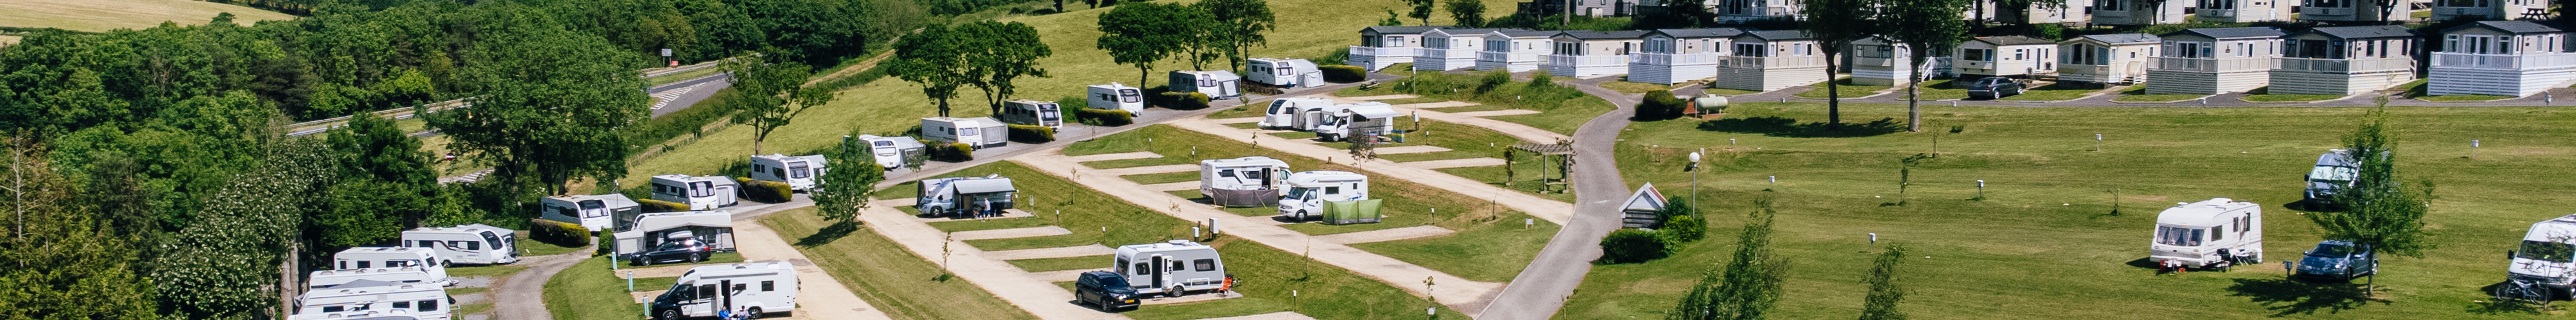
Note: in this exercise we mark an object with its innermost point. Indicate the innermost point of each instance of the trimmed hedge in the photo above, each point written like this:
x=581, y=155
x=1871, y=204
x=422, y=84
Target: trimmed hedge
x=1103, y=117
x=950, y=152
x=1182, y=100
x=1032, y=134
x=1632, y=246
x=558, y=233
x=1344, y=73
x=653, y=206
x=1660, y=105
x=766, y=191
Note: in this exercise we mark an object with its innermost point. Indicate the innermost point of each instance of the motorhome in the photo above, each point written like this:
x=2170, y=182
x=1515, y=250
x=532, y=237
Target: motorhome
x=359, y=315
x=1287, y=112
x=2546, y=259
x=467, y=244
x=1114, y=96
x=413, y=274
x=699, y=192
x=425, y=301
x=363, y=258
x=2335, y=170
x=978, y=133
x=760, y=288
x=2212, y=233
x=1242, y=182
x=894, y=152
x=800, y=173
x=715, y=228
x=1033, y=113
x=1289, y=73
x=1171, y=268
x=1308, y=191
x=596, y=212
x=986, y=195
x=1217, y=85
x=1365, y=119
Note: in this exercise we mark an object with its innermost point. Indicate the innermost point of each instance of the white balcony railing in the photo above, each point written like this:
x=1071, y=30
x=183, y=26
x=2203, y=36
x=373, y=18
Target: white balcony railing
x=2317, y=11
x=1586, y=61
x=1507, y=56
x=1876, y=62
x=1385, y=52
x=1676, y=59
x=1448, y=53
x=2075, y=69
x=2504, y=61
x=2217, y=13
x=2215, y=65
x=1773, y=62
x=2346, y=65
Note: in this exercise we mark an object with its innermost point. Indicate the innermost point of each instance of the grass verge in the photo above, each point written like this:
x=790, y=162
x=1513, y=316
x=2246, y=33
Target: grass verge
x=1845, y=85
x=588, y=290
x=2465, y=98
x=1061, y=264
x=1562, y=108
x=2051, y=92
x=1633, y=87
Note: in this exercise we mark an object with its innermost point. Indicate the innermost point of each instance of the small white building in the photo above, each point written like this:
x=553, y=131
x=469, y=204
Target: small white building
x=2345, y=60
x=715, y=228
x=2106, y=58
x=1451, y=49
x=1771, y=60
x=2354, y=11
x=1384, y=46
x=1879, y=61
x=2137, y=12
x=2215, y=60
x=1741, y=11
x=1513, y=50
x=2005, y=56
x=2512, y=58
x=1591, y=53
x=2446, y=10
x=2242, y=10
x=1672, y=56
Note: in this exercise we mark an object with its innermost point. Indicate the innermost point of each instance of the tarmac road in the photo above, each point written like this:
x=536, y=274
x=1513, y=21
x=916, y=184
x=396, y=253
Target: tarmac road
x=1543, y=287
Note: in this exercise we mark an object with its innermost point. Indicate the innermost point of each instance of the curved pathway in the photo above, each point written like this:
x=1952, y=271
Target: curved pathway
x=1550, y=279
x=522, y=295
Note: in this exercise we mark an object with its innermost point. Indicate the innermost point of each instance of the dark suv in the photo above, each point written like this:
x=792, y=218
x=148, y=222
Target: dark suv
x=2339, y=260
x=683, y=251
x=1994, y=88
x=1105, y=289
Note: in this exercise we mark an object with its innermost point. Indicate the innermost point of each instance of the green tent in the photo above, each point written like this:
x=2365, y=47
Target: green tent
x=1350, y=212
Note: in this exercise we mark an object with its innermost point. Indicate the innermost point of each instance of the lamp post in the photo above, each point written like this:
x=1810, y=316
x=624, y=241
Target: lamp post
x=1694, y=170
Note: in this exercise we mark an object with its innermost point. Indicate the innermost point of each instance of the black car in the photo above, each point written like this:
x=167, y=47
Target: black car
x=2339, y=260
x=1994, y=87
x=683, y=251
x=1105, y=289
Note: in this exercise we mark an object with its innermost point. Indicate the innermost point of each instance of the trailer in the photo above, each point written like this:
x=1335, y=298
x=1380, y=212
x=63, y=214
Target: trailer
x=1217, y=85
x=596, y=212
x=1289, y=113
x=979, y=196
x=698, y=192
x=980, y=133
x=1171, y=268
x=1287, y=73
x=760, y=288
x=1360, y=120
x=1033, y=113
x=1309, y=191
x=2218, y=232
x=1242, y=182
x=467, y=244
x=715, y=228
x=800, y=173
x=363, y=258
x=413, y=274
x=424, y=301
x=1114, y=96
x=2544, y=265
x=894, y=152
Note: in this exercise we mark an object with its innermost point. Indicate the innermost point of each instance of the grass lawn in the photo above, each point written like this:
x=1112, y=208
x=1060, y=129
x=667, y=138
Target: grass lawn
x=1633, y=87
x=2140, y=95
x=650, y=284
x=494, y=271
x=1938, y=89
x=684, y=75
x=2083, y=261
x=1562, y=108
x=1239, y=112
x=1061, y=264
x=104, y=15
x=588, y=290
x=1524, y=175
x=2465, y=98
x=1131, y=163
x=1727, y=92
x=1463, y=141
x=1167, y=177
x=883, y=273
x=531, y=248
x=2290, y=97
x=1294, y=135
x=1491, y=251
x=1845, y=85
x=2051, y=92
x=961, y=225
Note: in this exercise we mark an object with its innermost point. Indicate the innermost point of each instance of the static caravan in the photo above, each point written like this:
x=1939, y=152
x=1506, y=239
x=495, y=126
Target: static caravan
x=1032, y=113
x=424, y=301
x=2446, y=10
x=1358, y=120
x=1243, y=182
x=1591, y=53
x=1672, y=56
x=1513, y=50
x=597, y=212
x=2545, y=259
x=2335, y=170
x=2345, y=60
x=1308, y=191
x=2215, y=60
x=2354, y=11
x=715, y=228
x=2137, y=12
x=413, y=274
x=1217, y=85
x=1171, y=268
x=363, y=258
x=1385, y=46
x=981, y=196
x=2242, y=10
x=894, y=152
x=2510, y=58
x=760, y=288
x=1114, y=96
x=2006, y=56
x=1771, y=60
x=1285, y=73
x=978, y=133
x=1290, y=113
x=800, y=173
x=1741, y=11
x=2106, y=59
x=2073, y=12
x=467, y=244
x=1451, y=49
x=699, y=192
x=1879, y=61
x=2211, y=233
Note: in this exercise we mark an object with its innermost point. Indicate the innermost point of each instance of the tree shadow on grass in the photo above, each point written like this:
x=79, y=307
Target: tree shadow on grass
x=2294, y=297
x=1785, y=127
x=828, y=234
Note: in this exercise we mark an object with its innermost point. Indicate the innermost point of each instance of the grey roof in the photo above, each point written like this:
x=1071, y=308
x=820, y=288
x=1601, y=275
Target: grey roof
x=2014, y=41
x=989, y=185
x=1463, y=32
x=1699, y=33
x=2511, y=26
x=1529, y=33
x=2232, y=33
x=362, y=283
x=2125, y=38
x=1402, y=29
x=1606, y=35
x=2363, y=32
x=1776, y=35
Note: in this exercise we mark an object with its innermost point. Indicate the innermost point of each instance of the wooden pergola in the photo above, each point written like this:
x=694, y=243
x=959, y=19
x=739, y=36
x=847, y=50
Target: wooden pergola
x=1560, y=155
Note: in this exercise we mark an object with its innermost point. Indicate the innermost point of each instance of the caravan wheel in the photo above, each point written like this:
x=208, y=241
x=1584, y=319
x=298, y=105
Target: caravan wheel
x=670, y=315
x=1176, y=291
x=753, y=313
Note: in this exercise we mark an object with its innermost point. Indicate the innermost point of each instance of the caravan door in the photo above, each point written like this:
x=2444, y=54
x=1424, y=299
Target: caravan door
x=1159, y=274
x=1228, y=89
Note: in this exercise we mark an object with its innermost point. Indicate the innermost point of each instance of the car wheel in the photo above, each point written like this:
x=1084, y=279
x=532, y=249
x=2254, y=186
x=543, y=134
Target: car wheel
x=753, y=313
x=670, y=315
x=697, y=257
x=1301, y=215
x=643, y=261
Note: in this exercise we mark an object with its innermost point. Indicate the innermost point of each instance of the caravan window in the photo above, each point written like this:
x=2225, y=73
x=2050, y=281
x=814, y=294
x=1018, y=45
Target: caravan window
x=768, y=285
x=966, y=131
x=335, y=309
x=2215, y=234
x=487, y=237
x=706, y=290
x=2547, y=251
x=568, y=212
x=1129, y=95
x=799, y=171
x=1225, y=173
x=1122, y=265
x=1175, y=266
x=366, y=264
x=1143, y=268
x=1203, y=264
x=1332, y=190
x=594, y=205
x=2179, y=236
x=402, y=304
x=429, y=305
x=702, y=189
x=1275, y=105
x=1300, y=193
x=778, y=172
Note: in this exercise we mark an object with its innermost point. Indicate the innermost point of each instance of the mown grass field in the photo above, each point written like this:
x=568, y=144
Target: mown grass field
x=2045, y=243
x=878, y=270
x=1849, y=90
x=104, y=15
x=2051, y=92
x=588, y=290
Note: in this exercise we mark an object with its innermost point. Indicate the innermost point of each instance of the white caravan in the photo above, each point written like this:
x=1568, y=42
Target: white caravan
x=1242, y=182
x=597, y=212
x=800, y=173
x=1218, y=85
x=1290, y=113
x=1291, y=73
x=1171, y=268
x=1114, y=96
x=359, y=315
x=964, y=195
x=892, y=152
x=2547, y=257
x=467, y=244
x=2211, y=233
x=361, y=258
x=1308, y=191
x=414, y=274
x=1033, y=113
x=979, y=133
x=757, y=287
x=424, y=301
x=715, y=228
x=698, y=192
x=1357, y=120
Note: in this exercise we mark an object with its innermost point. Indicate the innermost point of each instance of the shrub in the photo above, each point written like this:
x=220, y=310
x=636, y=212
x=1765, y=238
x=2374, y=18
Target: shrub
x=652, y=206
x=1262, y=89
x=766, y=191
x=950, y=152
x=1632, y=246
x=1660, y=105
x=1491, y=80
x=1032, y=134
x=1682, y=229
x=1337, y=57
x=1344, y=73
x=1103, y=117
x=607, y=244
x=558, y=233
x=1182, y=100
x=1542, y=80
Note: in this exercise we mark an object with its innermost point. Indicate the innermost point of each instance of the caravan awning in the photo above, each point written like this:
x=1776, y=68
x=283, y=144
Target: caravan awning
x=1373, y=111
x=984, y=185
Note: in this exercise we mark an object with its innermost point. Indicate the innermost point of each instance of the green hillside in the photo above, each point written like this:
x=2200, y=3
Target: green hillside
x=104, y=15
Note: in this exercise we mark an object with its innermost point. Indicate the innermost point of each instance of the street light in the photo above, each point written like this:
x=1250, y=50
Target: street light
x=1694, y=170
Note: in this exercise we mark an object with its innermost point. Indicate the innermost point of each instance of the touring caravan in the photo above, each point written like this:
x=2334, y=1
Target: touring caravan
x=1218, y=85
x=1364, y=119
x=800, y=173
x=715, y=228
x=699, y=192
x=1171, y=268
x=359, y=315
x=979, y=133
x=2334, y=171
x=597, y=212
x=361, y=258
x=1308, y=191
x=1288, y=112
x=893, y=152
x=467, y=244
x=1289, y=73
x=424, y=301
x=414, y=274
x=986, y=195
x=760, y=288
x=1242, y=182
x=2212, y=233
x=1114, y=96
x=2545, y=262
x=1033, y=113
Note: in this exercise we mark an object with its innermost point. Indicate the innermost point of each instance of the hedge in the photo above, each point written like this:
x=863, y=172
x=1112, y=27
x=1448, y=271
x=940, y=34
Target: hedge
x=1632, y=246
x=1182, y=100
x=1032, y=134
x=1344, y=73
x=950, y=152
x=1660, y=105
x=766, y=191
x=558, y=233
x=652, y=206
x=1103, y=117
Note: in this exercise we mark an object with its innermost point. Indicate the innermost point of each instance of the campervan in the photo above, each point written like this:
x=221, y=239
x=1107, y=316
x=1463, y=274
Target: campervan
x=361, y=258
x=1366, y=119
x=1308, y=191
x=1114, y=96
x=1290, y=73
x=425, y=301
x=2546, y=260
x=699, y=192
x=1242, y=182
x=1288, y=112
x=893, y=152
x=974, y=132
x=1033, y=113
x=2212, y=233
x=760, y=288
x=1218, y=85
x=467, y=244
x=2335, y=170
x=359, y=315
x=596, y=212
x=411, y=274
x=986, y=195
x=715, y=228
x=800, y=173
x=1171, y=268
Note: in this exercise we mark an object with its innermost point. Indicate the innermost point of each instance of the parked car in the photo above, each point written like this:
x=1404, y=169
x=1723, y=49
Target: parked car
x=1994, y=88
x=1108, y=290
x=2339, y=260
x=690, y=250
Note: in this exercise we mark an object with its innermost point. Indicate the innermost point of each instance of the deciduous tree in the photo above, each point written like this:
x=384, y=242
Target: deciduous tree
x=773, y=94
x=1927, y=26
x=1139, y=34
x=1749, y=285
x=1421, y=10
x=1884, y=292
x=846, y=187
x=1003, y=53
x=546, y=106
x=935, y=59
x=1834, y=23
x=1469, y=13
x=1242, y=24
x=2378, y=211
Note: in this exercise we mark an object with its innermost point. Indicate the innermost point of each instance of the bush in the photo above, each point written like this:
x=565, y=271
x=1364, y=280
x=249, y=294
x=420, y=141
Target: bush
x=652, y=206
x=1491, y=80
x=1181, y=100
x=1542, y=80
x=1632, y=246
x=1103, y=117
x=1032, y=134
x=950, y=152
x=607, y=244
x=1263, y=89
x=558, y=233
x=766, y=191
x=1660, y=105
x=1344, y=73
x=1682, y=224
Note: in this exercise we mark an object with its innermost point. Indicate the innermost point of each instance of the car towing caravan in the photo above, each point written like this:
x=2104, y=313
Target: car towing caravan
x=2335, y=170
x=978, y=133
x=2212, y=233
x=596, y=212
x=1033, y=113
x=467, y=244
x=1289, y=113
x=1290, y=73
x=2544, y=265
x=986, y=195
x=1171, y=268
x=698, y=192
x=1217, y=85
x=1367, y=119
x=425, y=301
x=760, y=288
x=1308, y=191
x=1114, y=96
x=414, y=274
x=800, y=173
x=392, y=257
x=1243, y=182
x=893, y=152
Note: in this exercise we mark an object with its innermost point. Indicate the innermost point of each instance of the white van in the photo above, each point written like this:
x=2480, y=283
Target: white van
x=467, y=244
x=760, y=288
x=1357, y=120
x=361, y=258
x=2546, y=260
x=698, y=192
x=1290, y=73
x=597, y=212
x=715, y=228
x=979, y=133
x=1218, y=85
x=800, y=173
x=1308, y=191
x=892, y=152
x=414, y=274
x=1114, y=96
x=1284, y=112
x=2213, y=233
x=424, y=301
x=1171, y=268
x=1242, y=182
x=1033, y=113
